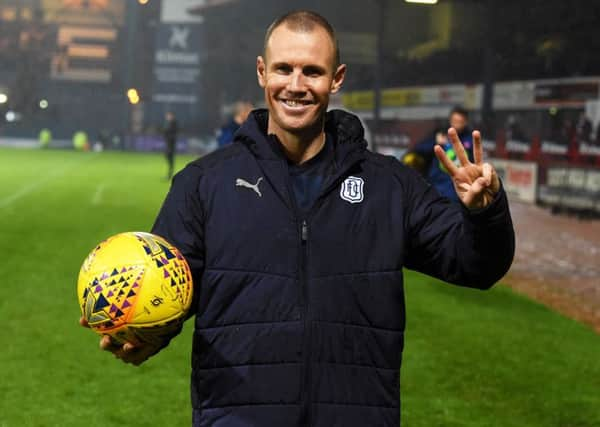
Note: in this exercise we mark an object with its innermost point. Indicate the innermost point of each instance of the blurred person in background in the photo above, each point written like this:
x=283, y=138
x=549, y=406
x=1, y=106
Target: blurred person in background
x=297, y=236
x=583, y=129
x=422, y=157
x=513, y=129
x=170, y=130
x=567, y=132
x=240, y=114
x=595, y=139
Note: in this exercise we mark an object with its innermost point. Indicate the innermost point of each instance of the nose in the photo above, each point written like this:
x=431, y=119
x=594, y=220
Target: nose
x=296, y=82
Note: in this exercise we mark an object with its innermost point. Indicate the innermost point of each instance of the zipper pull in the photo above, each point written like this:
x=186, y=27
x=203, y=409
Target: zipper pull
x=304, y=231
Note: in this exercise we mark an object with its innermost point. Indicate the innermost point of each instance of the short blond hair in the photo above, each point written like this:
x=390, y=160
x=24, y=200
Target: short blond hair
x=304, y=21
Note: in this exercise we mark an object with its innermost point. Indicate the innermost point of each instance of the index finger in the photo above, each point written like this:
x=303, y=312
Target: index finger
x=444, y=160
x=458, y=147
x=477, y=148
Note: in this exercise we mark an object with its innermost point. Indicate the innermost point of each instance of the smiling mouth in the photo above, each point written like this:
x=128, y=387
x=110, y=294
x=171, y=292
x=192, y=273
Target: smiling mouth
x=294, y=103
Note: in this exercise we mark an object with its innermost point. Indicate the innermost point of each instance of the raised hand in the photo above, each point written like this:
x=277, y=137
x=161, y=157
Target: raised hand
x=475, y=183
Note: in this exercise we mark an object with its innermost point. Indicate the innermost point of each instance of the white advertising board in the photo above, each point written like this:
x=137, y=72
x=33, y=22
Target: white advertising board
x=519, y=178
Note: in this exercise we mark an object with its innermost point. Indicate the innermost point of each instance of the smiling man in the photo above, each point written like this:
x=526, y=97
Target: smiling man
x=299, y=71
x=297, y=236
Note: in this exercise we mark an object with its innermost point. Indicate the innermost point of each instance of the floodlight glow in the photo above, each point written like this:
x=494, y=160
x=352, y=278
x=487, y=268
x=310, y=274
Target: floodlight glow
x=43, y=104
x=143, y=2
x=133, y=95
x=422, y=1
x=10, y=116
x=3, y=98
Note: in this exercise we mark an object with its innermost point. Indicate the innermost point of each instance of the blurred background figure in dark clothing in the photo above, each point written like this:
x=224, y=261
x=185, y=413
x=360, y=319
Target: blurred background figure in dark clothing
x=583, y=128
x=170, y=130
x=240, y=112
x=422, y=158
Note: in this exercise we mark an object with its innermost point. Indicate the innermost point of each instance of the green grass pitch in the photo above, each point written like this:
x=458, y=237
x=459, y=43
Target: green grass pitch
x=471, y=358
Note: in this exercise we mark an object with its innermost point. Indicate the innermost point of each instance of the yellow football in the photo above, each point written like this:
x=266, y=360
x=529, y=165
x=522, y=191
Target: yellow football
x=135, y=287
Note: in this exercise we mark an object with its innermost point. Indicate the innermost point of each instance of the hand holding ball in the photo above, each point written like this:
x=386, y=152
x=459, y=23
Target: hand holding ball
x=136, y=288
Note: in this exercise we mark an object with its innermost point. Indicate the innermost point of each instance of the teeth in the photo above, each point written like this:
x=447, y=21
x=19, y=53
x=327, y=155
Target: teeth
x=293, y=103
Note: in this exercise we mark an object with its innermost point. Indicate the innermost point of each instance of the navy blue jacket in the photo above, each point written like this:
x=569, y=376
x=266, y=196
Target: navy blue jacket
x=300, y=319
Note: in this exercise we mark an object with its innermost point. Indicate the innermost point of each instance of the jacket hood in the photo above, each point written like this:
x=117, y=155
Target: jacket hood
x=344, y=126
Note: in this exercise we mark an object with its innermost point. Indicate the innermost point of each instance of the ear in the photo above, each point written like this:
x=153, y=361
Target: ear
x=261, y=70
x=338, y=78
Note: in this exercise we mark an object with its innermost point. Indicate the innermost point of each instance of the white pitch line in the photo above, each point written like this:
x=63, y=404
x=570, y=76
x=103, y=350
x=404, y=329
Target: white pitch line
x=24, y=191
x=9, y=200
x=97, y=198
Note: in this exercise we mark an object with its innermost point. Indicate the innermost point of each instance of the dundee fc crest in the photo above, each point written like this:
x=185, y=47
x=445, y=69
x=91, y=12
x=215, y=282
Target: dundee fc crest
x=352, y=189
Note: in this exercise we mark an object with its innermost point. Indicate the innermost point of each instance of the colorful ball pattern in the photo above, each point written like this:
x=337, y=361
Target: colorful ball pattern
x=135, y=287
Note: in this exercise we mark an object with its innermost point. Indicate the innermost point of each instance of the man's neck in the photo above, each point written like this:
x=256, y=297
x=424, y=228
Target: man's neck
x=300, y=147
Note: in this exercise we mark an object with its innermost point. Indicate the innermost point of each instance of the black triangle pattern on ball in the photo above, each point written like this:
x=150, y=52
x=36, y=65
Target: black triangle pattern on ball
x=167, y=252
x=113, y=299
x=101, y=302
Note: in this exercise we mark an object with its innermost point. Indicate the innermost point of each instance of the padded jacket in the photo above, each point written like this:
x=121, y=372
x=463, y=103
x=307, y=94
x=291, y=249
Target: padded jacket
x=299, y=319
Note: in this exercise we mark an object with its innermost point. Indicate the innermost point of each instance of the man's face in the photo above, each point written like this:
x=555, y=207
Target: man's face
x=298, y=77
x=458, y=122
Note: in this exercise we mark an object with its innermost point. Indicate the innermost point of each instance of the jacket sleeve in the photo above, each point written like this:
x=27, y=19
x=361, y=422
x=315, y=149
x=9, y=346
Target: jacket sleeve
x=452, y=243
x=181, y=222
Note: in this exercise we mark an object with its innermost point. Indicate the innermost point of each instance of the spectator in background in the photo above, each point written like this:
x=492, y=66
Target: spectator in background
x=567, y=132
x=170, y=130
x=240, y=113
x=583, y=129
x=422, y=158
x=513, y=129
x=595, y=138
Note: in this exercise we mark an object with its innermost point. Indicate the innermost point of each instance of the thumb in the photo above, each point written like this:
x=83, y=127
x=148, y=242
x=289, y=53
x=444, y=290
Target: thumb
x=128, y=346
x=479, y=185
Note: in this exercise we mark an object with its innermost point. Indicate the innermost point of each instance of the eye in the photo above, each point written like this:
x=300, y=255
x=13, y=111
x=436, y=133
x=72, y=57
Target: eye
x=313, y=71
x=283, y=69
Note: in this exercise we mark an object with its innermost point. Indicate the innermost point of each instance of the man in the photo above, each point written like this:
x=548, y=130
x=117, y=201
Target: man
x=297, y=236
x=170, y=134
x=433, y=170
x=240, y=114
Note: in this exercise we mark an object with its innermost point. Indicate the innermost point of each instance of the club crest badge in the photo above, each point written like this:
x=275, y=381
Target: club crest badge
x=352, y=189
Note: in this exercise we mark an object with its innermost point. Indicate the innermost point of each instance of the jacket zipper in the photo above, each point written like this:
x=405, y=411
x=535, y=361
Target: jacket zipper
x=305, y=387
x=306, y=383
